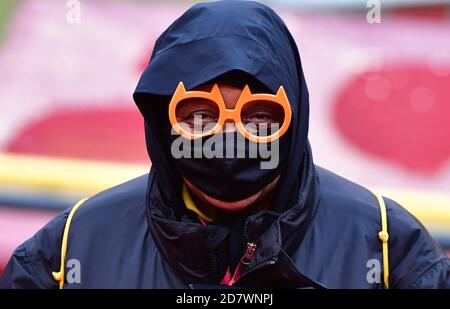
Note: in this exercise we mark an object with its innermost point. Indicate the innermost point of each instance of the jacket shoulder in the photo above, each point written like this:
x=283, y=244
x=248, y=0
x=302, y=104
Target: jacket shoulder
x=413, y=253
x=343, y=197
x=418, y=259
x=33, y=262
x=110, y=214
x=114, y=200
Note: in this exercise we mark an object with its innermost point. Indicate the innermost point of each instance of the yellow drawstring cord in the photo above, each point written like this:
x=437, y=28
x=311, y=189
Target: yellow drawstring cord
x=191, y=206
x=59, y=276
x=384, y=237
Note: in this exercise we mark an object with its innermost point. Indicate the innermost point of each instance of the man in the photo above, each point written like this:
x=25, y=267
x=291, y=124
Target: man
x=202, y=219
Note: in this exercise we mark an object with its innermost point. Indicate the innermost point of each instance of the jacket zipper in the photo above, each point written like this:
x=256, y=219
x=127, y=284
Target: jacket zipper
x=243, y=262
x=262, y=265
x=246, y=259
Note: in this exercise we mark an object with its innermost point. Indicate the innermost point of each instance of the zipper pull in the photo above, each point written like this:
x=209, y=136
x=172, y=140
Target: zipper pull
x=245, y=260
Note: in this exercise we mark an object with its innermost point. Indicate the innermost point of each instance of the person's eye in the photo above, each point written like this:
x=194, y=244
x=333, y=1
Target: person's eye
x=197, y=111
x=204, y=115
x=261, y=115
x=200, y=117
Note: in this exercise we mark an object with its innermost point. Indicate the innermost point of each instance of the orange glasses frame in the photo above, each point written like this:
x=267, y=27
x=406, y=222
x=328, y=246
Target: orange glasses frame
x=233, y=114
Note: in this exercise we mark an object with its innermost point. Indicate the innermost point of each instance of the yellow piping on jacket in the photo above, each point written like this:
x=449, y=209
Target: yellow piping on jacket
x=60, y=275
x=383, y=235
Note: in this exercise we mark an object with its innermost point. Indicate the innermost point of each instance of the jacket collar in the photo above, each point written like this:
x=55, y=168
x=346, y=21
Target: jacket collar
x=197, y=253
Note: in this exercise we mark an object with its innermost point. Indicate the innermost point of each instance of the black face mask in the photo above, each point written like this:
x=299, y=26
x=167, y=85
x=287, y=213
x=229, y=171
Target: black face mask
x=230, y=178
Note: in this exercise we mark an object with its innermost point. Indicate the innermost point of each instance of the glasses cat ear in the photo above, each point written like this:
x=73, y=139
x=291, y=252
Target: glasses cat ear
x=281, y=94
x=246, y=93
x=215, y=91
x=180, y=89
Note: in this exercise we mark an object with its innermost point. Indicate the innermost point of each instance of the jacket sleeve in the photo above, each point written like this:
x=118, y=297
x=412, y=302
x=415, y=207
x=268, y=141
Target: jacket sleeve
x=437, y=276
x=33, y=262
x=416, y=259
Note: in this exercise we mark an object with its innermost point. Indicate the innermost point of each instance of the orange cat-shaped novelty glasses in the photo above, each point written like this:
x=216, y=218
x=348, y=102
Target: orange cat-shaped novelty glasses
x=255, y=115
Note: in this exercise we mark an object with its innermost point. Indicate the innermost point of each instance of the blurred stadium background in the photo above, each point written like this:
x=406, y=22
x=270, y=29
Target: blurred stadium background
x=380, y=100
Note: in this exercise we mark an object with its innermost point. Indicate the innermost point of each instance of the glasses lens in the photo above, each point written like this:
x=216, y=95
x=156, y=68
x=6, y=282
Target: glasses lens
x=262, y=118
x=197, y=115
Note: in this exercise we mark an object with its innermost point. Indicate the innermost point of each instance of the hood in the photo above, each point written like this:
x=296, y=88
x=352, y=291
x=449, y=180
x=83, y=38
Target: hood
x=208, y=40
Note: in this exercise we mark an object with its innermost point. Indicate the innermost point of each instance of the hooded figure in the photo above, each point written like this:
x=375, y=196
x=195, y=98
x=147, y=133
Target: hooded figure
x=317, y=229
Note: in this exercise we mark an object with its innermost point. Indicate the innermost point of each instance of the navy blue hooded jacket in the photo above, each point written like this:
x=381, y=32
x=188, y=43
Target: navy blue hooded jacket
x=321, y=231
